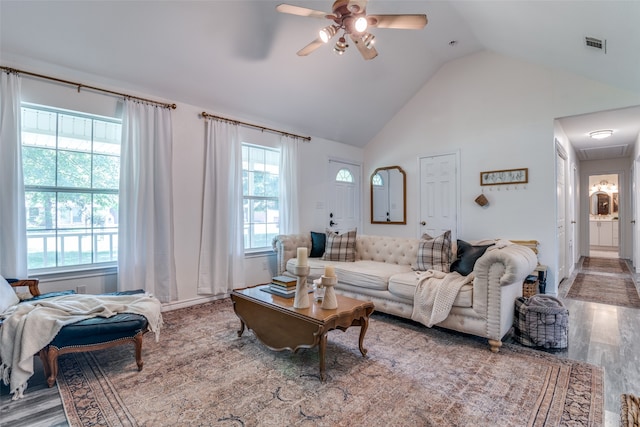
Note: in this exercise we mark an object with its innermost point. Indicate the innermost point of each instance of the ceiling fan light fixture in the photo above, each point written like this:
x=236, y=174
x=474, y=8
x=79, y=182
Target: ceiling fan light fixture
x=601, y=134
x=327, y=33
x=341, y=46
x=368, y=40
x=361, y=24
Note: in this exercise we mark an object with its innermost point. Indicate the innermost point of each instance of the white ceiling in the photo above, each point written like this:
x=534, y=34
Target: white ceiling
x=237, y=58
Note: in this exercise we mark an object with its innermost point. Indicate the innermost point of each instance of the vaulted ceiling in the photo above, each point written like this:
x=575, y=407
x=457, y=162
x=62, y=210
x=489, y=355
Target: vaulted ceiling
x=238, y=58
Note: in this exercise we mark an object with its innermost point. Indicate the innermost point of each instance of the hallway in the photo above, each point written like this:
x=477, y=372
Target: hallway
x=608, y=336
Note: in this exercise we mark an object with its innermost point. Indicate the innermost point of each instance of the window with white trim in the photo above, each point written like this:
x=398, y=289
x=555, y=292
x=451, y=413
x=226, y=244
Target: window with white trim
x=71, y=167
x=261, y=196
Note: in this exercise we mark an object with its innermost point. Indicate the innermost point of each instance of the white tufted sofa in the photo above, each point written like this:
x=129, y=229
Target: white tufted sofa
x=382, y=273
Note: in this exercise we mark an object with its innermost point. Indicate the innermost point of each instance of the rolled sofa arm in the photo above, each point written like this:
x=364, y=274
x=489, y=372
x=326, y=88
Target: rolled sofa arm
x=499, y=275
x=519, y=261
x=286, y=245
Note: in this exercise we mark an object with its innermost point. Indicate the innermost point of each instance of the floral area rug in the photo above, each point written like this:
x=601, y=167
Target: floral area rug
x=202, y=373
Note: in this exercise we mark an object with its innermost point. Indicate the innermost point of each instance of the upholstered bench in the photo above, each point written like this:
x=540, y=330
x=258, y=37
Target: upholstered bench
x=90, y=334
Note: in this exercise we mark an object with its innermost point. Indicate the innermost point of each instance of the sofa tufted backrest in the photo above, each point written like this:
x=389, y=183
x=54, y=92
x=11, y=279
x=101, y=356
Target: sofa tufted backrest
x=394, y=250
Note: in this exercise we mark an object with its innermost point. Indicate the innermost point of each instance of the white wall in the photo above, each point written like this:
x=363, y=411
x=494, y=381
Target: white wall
x=188, y=172
x=499, y=112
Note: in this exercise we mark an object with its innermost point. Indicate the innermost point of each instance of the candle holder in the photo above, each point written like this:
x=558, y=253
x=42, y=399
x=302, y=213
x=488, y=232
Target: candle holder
x=318, y=290
x=301, y=299
x=330, y=301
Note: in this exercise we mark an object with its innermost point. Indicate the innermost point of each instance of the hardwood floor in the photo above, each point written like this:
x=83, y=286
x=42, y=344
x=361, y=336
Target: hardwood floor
x=608, y=336
x=604, y=335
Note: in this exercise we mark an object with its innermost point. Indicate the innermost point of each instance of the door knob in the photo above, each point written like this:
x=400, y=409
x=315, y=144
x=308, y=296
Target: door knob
x=331, y=223
x=423, y=223
x=633, y=221
x=573, y=222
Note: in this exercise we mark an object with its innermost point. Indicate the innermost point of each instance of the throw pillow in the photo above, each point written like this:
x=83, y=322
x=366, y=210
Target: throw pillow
x=318, y=242
x=434, y=253
x=467, y=257
x=340, y=247
x=8, y=296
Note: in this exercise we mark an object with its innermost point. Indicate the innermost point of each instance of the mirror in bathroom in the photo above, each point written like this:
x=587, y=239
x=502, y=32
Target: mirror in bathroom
x=388, y=196
x=600, y=203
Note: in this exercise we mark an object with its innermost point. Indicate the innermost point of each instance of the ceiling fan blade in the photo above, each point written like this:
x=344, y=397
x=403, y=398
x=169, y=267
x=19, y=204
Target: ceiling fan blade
x=300, y=11
x=403, y=22
x=310, y=47
x=366, y=52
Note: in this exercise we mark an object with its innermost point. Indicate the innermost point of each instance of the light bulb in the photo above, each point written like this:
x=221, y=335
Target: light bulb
x=361, y=24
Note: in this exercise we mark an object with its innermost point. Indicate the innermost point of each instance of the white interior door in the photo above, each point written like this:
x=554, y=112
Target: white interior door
x=344, y=196
x=574, y=203
x=438, y=195
x=635, y=208
x=562, y=217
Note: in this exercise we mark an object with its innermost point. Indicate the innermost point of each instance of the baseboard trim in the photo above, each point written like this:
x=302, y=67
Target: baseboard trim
x=169, y=306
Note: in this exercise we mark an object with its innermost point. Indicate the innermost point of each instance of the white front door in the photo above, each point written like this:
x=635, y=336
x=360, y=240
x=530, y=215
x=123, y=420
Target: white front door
x=344, y=196
x=438, y=195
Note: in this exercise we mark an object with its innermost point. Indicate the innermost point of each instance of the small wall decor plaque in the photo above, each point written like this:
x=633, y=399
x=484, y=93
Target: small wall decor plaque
x=508, y=176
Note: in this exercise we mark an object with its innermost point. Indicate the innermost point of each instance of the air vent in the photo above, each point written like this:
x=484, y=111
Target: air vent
x=596, y=43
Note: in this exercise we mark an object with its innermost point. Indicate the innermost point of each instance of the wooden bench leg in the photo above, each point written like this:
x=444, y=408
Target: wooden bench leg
x=137, y=341
x=45, y=362
x=52, y=361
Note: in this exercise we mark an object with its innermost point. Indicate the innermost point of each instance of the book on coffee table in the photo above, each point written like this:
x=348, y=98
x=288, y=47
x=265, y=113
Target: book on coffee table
x=282, y=290
x=285, y=281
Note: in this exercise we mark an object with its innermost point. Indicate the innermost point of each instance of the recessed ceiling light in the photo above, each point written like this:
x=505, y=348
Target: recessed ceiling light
x=601, y=134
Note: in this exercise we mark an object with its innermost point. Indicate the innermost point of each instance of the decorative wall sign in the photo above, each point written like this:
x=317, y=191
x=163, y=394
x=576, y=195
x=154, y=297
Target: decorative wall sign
x=508, y=176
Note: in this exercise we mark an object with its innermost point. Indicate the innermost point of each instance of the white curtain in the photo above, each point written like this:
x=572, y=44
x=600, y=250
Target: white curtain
x=145, y=230
x=289, y=212
x=13, y=231
x=221, y=264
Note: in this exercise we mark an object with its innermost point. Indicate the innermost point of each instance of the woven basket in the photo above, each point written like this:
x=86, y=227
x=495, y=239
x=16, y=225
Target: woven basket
x=529, y=289
x=629, y=410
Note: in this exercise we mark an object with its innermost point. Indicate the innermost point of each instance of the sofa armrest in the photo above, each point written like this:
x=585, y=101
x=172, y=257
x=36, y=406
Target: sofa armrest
x=499, y=274
x=286, y=245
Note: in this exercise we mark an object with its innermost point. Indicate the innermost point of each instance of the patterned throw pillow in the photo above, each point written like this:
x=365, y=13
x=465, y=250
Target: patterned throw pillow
x=340, y=247
x=434, y=253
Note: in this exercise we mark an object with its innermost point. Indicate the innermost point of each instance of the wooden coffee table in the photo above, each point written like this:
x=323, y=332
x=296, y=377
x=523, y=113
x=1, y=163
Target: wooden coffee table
x=279, y=326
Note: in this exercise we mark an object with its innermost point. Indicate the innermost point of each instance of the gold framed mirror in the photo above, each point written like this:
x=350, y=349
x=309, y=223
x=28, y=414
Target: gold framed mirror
x=388, y=195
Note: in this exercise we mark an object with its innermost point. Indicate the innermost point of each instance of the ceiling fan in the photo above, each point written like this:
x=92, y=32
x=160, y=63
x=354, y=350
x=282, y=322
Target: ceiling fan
x=350, y=16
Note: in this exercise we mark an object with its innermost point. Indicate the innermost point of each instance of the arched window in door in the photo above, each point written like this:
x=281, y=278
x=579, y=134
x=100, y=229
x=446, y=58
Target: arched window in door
x=344, y=175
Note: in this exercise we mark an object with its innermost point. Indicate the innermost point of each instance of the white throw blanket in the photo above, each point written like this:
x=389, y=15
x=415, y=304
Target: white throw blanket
x=435, y=293
x=30, y=326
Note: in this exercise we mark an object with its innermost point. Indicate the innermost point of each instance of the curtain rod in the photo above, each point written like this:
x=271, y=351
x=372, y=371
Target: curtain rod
x=80, y=85
x=205, y=115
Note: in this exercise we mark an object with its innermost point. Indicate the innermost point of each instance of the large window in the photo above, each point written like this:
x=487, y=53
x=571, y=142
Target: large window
x=260, y=190
x=71, y=167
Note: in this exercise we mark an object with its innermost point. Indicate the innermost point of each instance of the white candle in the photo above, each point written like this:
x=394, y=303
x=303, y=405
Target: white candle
x=302, y=257
x=329, y=271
